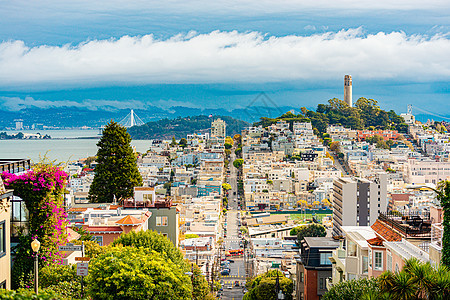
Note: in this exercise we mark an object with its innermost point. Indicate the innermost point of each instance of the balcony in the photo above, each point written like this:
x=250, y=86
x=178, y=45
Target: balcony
x=412, y=224
x=437, y=232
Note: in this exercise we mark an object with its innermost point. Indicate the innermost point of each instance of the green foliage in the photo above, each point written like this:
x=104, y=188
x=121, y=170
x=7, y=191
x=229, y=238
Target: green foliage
x=228, y=146
x=443, y=196
x=116, y=173
x=153, y=241
x=263, y=286
x=352, y=289
x=136, y=273
x=238, y=163
x=183, y=142
x=42, y=190
x=191, y=236
x=62, y=280
x=200, y=285
x=238, y=151
x=25, y=294
x=364, y=114
x=417, y=280
x=226, y=186
x=313, y=230
x=91, y=248
x=180, y=127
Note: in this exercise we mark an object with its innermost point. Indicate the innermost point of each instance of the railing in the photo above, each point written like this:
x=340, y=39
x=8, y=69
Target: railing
x=410, y=224
x=436, y=234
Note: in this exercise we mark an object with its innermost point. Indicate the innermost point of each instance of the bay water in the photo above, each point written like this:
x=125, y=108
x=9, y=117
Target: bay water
x=65, y=145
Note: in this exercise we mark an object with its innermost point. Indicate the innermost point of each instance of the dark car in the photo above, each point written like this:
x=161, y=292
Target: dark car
x=236, y=283
x=225, y=272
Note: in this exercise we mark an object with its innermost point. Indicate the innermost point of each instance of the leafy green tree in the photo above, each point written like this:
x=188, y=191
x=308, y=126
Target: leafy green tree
x=263, y=286
x=116, y=173
x=226, y=186
x=313, y=230
x=183, y=142
x=238, y=151
x=228, y=146
x=153, y=241
x=136, y=273
x=174, y=142
x=191, y=236
x=238, y=163
x=62, y=280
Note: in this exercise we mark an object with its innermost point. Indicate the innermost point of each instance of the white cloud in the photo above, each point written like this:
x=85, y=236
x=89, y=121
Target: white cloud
x=227, y=57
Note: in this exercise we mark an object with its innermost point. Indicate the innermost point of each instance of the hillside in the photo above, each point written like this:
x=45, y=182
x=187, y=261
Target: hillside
x=365, y=114
x=180, y=127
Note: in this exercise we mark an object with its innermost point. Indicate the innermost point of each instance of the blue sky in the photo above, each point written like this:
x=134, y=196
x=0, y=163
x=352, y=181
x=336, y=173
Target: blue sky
x=223, y=53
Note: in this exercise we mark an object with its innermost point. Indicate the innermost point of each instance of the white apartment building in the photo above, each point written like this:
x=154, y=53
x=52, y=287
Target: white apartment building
x=219, y=128
x=428, y=171
x=358, y=201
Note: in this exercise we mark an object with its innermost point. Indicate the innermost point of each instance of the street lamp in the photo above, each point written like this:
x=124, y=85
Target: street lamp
x=35, y=245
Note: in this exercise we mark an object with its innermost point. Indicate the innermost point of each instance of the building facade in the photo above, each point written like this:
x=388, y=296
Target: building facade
x=358, y=201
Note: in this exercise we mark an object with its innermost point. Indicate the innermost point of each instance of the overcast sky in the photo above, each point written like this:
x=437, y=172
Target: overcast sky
x=223, y=53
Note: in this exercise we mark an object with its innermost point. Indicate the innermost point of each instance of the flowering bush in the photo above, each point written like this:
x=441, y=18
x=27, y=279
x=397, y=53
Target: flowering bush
x=42, y=190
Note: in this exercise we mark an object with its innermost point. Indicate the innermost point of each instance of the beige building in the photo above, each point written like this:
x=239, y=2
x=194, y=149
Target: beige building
x=219, y=128
x=5, y=229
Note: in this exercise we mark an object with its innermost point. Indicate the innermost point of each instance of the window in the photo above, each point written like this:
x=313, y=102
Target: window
x=162, y=221
x=324, y=258
x=321, y=287
x=378, y=260
x=351, y=248
x=389, y=261
x=98, y=239
x=2, y=238
x=301, y=276
x=365, y=264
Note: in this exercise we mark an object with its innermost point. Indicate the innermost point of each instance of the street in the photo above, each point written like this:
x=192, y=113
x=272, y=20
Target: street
x=231, y=242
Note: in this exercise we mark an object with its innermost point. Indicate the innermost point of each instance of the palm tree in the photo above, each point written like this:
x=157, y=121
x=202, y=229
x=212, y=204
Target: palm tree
x=403, y=286
x=386, y=281
x=422, y=275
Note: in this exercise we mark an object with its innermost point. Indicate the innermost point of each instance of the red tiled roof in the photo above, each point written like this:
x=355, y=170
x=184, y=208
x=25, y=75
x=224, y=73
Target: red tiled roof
x=385, y=232
x=77, y=209
x=376, y=241
x=129, y=220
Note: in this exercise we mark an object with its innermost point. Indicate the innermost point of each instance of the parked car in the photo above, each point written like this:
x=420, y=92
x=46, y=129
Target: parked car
x=225, y=272
x=236, y=283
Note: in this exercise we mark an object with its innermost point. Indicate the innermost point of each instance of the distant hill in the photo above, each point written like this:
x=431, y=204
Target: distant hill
x=180, y=127
x=365, y=114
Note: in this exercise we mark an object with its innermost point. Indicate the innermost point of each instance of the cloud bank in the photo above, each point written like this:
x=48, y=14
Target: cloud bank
x=227, y=57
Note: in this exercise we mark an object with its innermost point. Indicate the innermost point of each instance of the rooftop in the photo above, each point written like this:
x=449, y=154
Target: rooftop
x=322, y=242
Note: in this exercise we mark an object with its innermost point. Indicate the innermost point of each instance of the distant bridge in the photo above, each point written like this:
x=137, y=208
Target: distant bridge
x=131, y=120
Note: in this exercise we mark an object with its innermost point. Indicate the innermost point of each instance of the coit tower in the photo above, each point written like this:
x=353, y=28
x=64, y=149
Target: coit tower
x=348, y=90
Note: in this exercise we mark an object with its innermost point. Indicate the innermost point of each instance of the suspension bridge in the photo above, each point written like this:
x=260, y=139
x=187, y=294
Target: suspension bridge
x=131, y=120
x=426, y=112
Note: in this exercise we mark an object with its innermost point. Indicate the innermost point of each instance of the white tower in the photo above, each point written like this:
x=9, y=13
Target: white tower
x=348, y=90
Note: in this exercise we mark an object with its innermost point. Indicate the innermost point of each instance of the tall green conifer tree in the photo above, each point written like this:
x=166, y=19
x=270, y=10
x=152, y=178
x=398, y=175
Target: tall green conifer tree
x=116, y=173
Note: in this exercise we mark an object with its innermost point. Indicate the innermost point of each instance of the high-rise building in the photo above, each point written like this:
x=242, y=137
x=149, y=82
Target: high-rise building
x=219, y=128
x=358, y=201
x=19, y=124
x=348, y=90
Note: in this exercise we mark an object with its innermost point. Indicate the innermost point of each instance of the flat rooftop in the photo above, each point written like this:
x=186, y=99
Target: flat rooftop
x=322, y=242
